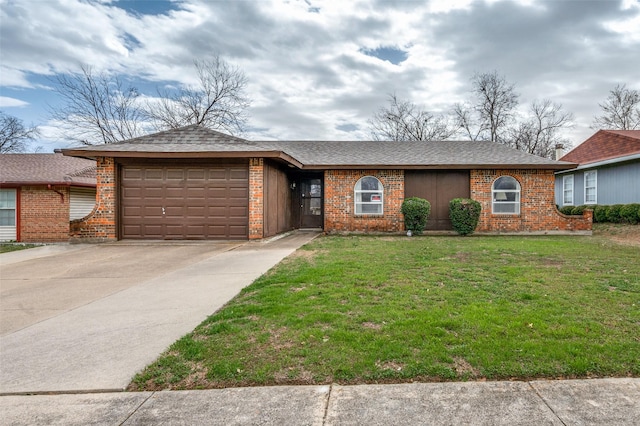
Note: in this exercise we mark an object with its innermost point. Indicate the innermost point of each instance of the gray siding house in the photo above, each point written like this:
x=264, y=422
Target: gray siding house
x=608, y=171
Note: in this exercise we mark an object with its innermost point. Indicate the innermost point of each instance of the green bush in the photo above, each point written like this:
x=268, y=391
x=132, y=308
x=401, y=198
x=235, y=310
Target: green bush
x=600, y=214
x=464, y=214
x=578, y=210
x=566, y=209
x=416, y=212
x=630, y=213
x=613, y=215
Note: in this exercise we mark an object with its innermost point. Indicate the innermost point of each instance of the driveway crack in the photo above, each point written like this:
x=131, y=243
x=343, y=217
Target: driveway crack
x=545, y=403
x=135, y=410
x=326, y=405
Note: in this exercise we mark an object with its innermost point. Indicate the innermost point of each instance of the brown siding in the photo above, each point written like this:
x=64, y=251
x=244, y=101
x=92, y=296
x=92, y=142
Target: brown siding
x=438, y=187
x=277, y=201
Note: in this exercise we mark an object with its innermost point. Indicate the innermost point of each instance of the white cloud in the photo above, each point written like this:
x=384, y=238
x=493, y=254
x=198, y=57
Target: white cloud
x=6, y=102
x=308, y=77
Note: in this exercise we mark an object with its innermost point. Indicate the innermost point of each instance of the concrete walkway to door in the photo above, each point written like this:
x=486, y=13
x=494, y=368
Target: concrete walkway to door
x=87, y=318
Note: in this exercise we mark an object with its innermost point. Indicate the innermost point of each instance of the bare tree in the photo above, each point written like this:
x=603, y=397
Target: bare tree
x=96, y=108
x=14, y=136
x=620, y=111
x=404, y=121
x=539, y=133
x=491, y=111
x=218, y=100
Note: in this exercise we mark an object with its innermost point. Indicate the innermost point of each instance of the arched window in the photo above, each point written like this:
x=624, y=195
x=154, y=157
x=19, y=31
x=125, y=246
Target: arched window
x=505, y=195
x=368, y=196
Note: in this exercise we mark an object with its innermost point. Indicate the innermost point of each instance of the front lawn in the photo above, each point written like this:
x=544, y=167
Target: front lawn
x=365, y=309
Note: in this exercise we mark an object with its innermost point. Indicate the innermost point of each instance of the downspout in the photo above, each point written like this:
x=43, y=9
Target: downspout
x=57, y=192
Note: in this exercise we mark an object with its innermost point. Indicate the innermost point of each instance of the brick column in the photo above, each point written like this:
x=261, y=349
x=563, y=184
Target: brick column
x=100, y=224
x=256, y=198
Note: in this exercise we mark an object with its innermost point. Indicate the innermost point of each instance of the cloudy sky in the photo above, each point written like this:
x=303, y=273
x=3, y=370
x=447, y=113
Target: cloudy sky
x=320, y=69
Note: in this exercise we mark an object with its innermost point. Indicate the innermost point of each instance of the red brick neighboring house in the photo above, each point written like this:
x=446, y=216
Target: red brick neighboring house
x=41, y=193
x=608, y=170
x=195, y=183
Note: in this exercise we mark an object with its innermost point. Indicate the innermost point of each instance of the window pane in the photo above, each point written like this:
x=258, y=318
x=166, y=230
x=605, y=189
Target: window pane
x=368, y=208
x=369, y=183
x=505, y=208
x=506, y=182
x=7, y=199
x=7, y=217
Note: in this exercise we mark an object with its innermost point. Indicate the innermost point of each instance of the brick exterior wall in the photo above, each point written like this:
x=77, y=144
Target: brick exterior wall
x=100, y=225
x=44, y=214
x=256, y=200
x=538, y=213
x=339, y=205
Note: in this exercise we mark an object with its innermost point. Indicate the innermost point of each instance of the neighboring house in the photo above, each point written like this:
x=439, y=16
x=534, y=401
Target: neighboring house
x=196, y=183
x=41, y=193
x=608, y=170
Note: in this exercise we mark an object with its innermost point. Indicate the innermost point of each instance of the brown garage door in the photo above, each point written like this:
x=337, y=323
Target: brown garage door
x=438, y=187
x=184, y=201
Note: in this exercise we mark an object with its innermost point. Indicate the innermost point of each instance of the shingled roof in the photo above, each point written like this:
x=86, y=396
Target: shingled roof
x=605, y=145
x=46, y=169
x=198, y=142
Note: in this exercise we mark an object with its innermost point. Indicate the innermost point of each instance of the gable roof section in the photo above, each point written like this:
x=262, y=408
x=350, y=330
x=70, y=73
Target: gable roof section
x=46, y=169
x=605, y=145
x=199, y=142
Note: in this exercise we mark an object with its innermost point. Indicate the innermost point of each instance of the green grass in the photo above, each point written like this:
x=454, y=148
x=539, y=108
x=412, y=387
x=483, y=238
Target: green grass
x=7, y=247
x=396, y=309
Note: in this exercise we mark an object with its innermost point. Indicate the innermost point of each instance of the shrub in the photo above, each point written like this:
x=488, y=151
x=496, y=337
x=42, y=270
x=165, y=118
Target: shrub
x=600, y=214
x=629, y=213
x=578, y=210
x=416, y=212
x=613, y=215
x=464, y=214
x=566, y=210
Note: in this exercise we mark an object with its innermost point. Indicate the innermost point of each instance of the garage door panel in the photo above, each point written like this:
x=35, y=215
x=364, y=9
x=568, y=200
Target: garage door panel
x=153, y=174
x=199, y=201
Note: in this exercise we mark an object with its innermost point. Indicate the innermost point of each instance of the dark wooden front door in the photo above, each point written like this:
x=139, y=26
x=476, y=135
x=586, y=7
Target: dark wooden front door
x=438, y=187
x=310, y=200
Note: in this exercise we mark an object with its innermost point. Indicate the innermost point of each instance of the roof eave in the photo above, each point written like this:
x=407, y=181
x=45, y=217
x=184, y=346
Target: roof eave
x=439, y=166
x=183, y=155
x=17, y=183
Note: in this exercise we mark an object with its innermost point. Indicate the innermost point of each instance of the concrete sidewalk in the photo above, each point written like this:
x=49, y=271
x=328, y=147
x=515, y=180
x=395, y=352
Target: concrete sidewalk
x=569, y=402
x=100, y=345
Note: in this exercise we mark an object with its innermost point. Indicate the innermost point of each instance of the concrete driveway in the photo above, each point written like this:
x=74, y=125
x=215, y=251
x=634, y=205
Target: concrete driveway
x=87, y=318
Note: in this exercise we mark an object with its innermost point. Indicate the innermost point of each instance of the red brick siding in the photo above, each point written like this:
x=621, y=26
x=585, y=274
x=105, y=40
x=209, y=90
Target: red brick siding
x=44, y=214
x=100, y=225
x=339, y=206
x=256, y=200
x=538, y=212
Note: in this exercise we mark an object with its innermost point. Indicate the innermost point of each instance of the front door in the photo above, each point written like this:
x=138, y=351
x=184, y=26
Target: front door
x=311, y=202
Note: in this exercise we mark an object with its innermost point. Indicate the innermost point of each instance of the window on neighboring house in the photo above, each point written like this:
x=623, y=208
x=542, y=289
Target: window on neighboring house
x=505, y=194
x=369, y=196
x=567, y=189
x=7, y=207
x=591, y=187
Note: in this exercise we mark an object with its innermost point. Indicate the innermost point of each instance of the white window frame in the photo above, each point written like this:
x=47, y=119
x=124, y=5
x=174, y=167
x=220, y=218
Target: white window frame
x=567, y=201
x=359, y=194
x=498, y=193
x=594, y=187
